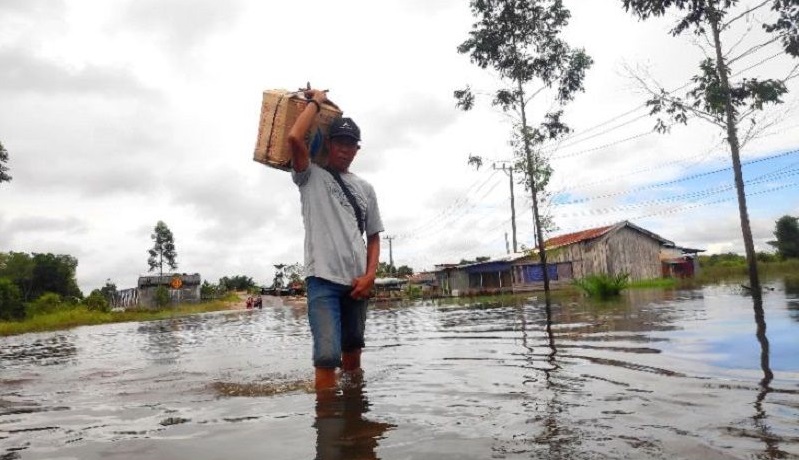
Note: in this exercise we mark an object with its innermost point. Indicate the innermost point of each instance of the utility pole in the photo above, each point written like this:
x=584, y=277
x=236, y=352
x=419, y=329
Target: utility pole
x=509, y=172
x=390, y=252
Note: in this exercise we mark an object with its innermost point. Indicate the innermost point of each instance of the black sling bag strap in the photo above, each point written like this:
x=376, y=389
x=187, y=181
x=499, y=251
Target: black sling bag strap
x=350, y=198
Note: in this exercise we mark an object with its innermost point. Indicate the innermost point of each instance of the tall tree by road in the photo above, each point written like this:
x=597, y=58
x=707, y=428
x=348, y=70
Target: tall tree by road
x=520, y=39
x=4, y=177
x=163, y=251
x=715, y=98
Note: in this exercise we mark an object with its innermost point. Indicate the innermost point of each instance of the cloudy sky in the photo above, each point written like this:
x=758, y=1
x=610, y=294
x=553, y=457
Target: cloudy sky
x=120, y=113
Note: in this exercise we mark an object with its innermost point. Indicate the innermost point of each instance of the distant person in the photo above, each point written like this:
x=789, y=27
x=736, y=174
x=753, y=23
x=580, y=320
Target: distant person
x=249, y=302
x=259, y=302
x=340, y=268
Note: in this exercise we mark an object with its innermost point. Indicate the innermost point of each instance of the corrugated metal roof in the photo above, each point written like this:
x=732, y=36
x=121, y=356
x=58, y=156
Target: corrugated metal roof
x=577, y=237
x=593, y=233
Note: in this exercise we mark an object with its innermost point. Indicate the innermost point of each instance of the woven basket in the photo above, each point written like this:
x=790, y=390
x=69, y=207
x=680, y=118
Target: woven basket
x=279, y=111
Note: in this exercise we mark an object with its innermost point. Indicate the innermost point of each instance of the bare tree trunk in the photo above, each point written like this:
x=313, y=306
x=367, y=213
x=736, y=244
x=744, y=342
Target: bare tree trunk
x=732, y=138
x=542, y=253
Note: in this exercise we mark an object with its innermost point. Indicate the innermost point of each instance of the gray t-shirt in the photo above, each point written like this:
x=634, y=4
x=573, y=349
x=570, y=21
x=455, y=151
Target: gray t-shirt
x=334, y=247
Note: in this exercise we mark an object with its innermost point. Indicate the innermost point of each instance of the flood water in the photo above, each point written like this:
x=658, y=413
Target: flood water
x=658, y=374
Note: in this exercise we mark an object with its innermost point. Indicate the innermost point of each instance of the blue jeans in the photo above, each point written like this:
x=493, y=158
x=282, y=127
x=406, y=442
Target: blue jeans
x=337, y=321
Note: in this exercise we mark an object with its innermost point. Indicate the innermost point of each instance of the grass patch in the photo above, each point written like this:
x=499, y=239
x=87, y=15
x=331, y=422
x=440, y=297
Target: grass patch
x=81, y=316
x=653, y=283
x=603, y=286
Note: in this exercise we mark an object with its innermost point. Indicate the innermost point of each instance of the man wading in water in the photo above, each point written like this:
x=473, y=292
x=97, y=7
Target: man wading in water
x=340, y=269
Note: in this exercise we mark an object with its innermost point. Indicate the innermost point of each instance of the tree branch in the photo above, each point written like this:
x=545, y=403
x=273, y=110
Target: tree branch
x=743, y=36
x=727, y=24
x=535, y=93
x=754, y=49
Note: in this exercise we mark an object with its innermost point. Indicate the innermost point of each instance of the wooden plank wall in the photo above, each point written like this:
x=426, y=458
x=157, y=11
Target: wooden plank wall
x=625, y=250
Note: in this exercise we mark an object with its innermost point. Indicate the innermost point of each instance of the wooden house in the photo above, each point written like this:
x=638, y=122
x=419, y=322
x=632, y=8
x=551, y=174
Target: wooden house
x=612, y=250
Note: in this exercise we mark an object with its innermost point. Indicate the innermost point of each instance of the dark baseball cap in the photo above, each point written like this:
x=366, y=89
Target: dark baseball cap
x=344, y=127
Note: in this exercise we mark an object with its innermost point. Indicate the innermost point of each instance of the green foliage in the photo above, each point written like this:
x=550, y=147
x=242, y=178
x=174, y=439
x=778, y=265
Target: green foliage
x=97, y=301
x=109, y=291
x=476, y=260
x=404, y=271
x=729, y=259
x=413, y=292
x=55, y=273
x=161, y=297
x=653, y=283
x=288, y=274
x=11, y=306
x=39, y=273
x=603, y=286
x=4, y=177
x=712, y=89
x=81, y=315
x=767, y=257
x=163, y=250
x=385, y=270
x=18, y=268
x=237, y=283
x=476, y=161
x=48, y=302
x=210, y=291
x=787, y=234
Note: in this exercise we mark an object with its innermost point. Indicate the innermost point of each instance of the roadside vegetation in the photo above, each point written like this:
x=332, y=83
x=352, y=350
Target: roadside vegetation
x=51, y=313
x=38, y=292
x=719, y=267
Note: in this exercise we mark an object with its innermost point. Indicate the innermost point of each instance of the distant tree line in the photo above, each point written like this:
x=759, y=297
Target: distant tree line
x=387, y=270
x=786, y=245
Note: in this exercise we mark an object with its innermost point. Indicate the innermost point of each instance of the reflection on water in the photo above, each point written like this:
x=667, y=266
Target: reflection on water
x=658, y=374
x=342, y=430
x=49, y=350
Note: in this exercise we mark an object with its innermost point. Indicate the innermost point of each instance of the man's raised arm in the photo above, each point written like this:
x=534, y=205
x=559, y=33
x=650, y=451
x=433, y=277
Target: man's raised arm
x=300, y=157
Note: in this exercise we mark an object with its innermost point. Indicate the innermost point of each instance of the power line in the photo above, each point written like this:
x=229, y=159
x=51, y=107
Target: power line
x=675, y=181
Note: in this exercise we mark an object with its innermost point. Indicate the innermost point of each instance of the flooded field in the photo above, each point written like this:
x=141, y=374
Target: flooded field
x=658, y=374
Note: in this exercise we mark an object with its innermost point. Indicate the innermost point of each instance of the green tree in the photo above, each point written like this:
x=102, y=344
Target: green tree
x=237, y=283
x=404, y=271
x=521, y=41
x=163, y=250
x=294, y=273
x=55, y=273
x=288, y=274
x=11, y=306
x=109, y=291
x=714, y=97
x=18, y=267
x=97, y=301
x=384, y=269
x=161, y=297
x=210, y=291
x=39, y=273
x=4, y=177
x=787, y=234
x=48, y=302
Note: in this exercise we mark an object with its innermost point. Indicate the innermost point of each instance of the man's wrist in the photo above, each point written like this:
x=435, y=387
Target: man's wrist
x=318, y=107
